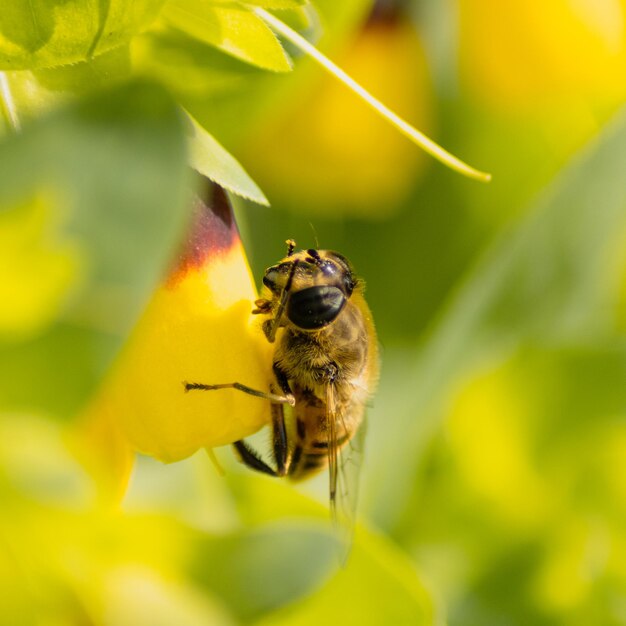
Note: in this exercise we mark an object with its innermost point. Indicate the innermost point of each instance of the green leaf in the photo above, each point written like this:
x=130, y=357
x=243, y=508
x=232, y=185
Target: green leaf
x=189, y=67
x=378, y=585
x=231, y=28
x=302, y=19
x=38, y=91
x=259, y=570
x=212, y=160
x=552, y=280
x=46, y=33
x=221, y=91
x=93, y=200
x=375, y=583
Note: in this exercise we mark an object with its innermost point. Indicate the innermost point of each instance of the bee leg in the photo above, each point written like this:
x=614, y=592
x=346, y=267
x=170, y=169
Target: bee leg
x=253, y=392
x=250, y=458
x=295, y=460
x=281, y=444
x=283, y=382
x=291, y=463
x=279, y=439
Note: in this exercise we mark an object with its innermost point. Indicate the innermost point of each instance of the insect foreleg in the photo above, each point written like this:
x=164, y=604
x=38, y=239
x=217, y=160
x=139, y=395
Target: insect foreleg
x=239, y=387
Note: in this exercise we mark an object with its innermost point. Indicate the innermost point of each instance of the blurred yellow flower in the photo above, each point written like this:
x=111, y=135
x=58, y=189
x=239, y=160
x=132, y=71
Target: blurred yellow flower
x=528, y=52
x=330, y=152
x=491, y=442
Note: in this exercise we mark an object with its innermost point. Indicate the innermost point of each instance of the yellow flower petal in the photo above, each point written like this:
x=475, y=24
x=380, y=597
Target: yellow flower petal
x=197, y=328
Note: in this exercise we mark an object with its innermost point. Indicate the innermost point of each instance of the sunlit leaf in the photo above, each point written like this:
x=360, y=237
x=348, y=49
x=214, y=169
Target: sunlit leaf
x=232, y=29
x=190, y=67
x=95, y=198
x=554, y=278
x=44, y=33
x=301, y=19
x=222, y=92
x=36, y=92
x=212, y=160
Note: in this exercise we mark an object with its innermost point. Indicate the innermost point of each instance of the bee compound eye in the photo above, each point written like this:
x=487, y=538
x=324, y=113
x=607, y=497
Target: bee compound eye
x=315, y=307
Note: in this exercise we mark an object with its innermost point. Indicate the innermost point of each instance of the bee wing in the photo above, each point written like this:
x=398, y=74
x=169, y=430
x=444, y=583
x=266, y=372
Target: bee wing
x=350, y=461
x=344, y=467
x=333, y=466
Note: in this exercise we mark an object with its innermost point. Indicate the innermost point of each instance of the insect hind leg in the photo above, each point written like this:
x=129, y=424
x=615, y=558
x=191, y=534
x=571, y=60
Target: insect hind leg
x=272, y=397
x=279, y=433
x=250, y=458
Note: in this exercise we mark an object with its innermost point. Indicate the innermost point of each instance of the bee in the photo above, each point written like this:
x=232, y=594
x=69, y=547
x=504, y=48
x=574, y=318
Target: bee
x=325, y=364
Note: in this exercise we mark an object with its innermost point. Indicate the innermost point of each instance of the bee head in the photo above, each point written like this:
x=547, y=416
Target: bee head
x=318, y=283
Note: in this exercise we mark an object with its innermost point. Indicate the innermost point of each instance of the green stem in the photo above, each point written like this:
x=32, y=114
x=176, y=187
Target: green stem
x=7, y=104
x=405, y=128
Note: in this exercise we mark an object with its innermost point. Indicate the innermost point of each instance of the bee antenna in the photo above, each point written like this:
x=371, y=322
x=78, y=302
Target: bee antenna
x=283, y=302
x=317, y=243
x=291, y=246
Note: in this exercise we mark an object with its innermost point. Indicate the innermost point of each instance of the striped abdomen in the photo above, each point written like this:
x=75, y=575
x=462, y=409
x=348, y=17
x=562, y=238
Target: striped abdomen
x=313, y=437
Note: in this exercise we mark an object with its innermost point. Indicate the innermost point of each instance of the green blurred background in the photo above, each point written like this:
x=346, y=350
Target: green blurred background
x=493, y=489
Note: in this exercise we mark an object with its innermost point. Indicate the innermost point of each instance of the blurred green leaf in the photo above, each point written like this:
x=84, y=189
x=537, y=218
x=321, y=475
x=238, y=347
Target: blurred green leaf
x=275, y=4
x=259, y=570
x=45, y=33
x=97, y=191
x=189, y=67
x=212, y=160
x=520, y=493
x=34, y=462
x=378, y=585
x=231, y=28
x=375, y=584
x=139, y=596
x=552, y=279
x=39, y=91
x=84, y=76
x=189, y=490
